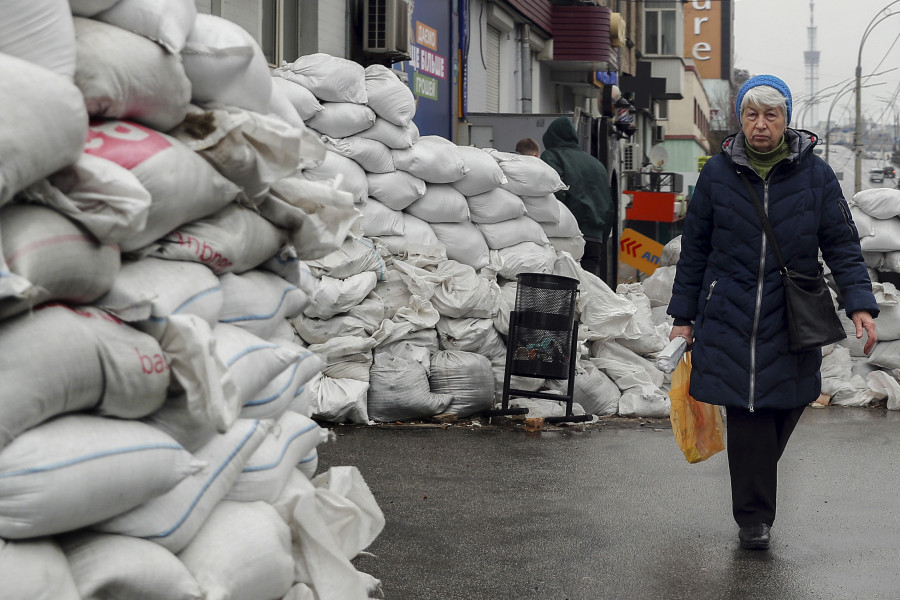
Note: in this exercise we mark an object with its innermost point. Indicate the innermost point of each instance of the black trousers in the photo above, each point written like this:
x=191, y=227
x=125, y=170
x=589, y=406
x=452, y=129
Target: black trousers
x=756, y=441
x=592, y=260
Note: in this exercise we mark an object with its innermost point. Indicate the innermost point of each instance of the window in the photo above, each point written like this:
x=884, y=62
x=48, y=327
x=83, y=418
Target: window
x=274, y=24
x=659, y=26
x=492, y=61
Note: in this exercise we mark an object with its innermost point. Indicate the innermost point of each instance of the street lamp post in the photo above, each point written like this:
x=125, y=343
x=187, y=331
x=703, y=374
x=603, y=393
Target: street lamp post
x=843, y=91
x=857, y=138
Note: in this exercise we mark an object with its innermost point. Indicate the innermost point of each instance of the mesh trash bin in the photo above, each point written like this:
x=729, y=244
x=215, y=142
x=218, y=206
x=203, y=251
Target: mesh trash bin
x=541, y=341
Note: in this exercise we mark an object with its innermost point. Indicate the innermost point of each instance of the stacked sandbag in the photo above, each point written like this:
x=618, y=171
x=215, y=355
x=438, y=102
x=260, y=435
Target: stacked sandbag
x=155, y=406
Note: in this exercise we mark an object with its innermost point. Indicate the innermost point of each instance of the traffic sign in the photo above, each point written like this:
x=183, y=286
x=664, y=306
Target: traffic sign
x=639, y=251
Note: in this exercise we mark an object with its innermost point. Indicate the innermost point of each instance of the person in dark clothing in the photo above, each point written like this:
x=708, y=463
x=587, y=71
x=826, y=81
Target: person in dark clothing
x=728, y=298
x=588, y=196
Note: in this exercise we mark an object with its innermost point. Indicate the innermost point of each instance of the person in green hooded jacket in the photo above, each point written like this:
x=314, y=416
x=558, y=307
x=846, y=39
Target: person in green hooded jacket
x=588, y=196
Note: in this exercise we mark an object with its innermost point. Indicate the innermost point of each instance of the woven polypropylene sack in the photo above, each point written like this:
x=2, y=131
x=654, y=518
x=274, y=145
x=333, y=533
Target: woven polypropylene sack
x=467, y=377
x=40, y=32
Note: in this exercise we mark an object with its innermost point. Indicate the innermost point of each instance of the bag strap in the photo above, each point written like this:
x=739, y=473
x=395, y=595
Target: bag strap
x=767, y=225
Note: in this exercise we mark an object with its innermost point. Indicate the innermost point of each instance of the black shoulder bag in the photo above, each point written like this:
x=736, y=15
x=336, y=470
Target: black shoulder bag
x=812, y=321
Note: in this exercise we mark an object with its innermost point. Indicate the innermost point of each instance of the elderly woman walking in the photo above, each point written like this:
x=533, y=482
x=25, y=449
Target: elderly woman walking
x=728, y=296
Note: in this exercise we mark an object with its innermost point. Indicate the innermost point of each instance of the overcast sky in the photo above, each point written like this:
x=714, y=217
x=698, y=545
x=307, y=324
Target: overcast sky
x=771, y=36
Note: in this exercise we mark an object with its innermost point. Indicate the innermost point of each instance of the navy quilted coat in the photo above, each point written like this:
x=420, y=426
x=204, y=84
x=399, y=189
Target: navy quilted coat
x=727, y=278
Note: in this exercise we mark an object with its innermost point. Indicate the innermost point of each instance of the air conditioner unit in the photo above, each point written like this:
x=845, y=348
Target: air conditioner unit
x=631, y=157
x=386, y=27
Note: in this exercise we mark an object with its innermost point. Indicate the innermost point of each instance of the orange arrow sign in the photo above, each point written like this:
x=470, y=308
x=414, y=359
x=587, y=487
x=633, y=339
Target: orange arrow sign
x=639, y=251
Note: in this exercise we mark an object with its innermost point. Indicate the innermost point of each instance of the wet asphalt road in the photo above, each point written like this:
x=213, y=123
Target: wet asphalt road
x=615, y=512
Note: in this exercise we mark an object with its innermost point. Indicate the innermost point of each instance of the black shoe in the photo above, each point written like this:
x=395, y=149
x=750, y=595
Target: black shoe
x=754, y=537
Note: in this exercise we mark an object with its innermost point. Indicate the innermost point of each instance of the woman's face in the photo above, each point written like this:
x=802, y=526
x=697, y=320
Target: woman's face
x=763, y=127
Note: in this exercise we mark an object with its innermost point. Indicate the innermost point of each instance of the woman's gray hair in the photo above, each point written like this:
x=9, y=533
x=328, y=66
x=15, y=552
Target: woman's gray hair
x=764, y=96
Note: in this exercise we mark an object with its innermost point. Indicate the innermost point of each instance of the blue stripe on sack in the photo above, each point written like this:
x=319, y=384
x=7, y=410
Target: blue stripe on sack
x=309, y=458
x=187, y=302
x=206, y=486
x=90, y=457
x=371, y=247
x=247, y=351
x=284, y=294
x=284, y=449
x=274, y=396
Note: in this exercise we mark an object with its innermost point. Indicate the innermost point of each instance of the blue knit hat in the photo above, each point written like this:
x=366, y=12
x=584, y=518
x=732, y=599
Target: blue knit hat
x=769, y=80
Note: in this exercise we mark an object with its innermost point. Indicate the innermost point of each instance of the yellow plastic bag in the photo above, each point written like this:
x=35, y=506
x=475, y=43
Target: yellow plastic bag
x=697, y=426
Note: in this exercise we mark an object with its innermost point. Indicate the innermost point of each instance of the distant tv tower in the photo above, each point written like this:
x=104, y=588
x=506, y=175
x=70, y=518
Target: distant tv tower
x=811, y=60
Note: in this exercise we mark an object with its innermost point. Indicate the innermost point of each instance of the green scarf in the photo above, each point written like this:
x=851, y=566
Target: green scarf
x=762, y=162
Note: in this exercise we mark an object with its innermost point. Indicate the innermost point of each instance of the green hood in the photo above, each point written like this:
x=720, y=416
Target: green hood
x=560, y=134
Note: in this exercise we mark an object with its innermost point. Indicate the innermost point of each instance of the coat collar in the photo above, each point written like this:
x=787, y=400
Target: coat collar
x=799, y=141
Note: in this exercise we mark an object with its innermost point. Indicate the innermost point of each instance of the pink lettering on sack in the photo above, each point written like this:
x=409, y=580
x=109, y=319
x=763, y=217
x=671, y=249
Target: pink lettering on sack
x=152, y=364
x=123, y=142
x=204, y=252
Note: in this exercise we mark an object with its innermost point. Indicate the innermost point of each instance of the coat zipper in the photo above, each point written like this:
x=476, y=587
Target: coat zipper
x=760, y=280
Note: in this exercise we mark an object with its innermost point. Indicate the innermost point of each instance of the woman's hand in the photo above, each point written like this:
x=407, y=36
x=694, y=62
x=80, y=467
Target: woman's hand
x=687, y=332
x=864, y=321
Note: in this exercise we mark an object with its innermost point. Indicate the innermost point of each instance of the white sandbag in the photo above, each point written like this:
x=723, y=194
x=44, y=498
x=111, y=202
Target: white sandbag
x=317, y=215
x=58, y=257
x=356, y=255
x=287, y=264
x=636, y=402
x=462, y=293
x=371, y=155
x=432, y=161
x=514, y=231
x=880, y=203
x=191, y=429
x=301, y=591
x=319, y=331
x=471, y=335
x=62, y=359
x=418, y=236
x=466, y=377
x=258, y=301
x=658, y=287
x=89, y=8
x=183, y=187
x=594, y=390
x=600, y=309
x=625, y=367
x=648, y=339
x=108, y=200
x=378, y=219
x=888, y=298
x=392, y=136
x=225, y=65
x=495, y=205
x=886, y=236
x=886, y=354
x=440, y=204
x=330, y=78
x=346, y=357
x=506, y=304
x=483, y=175
x=147, y=292
x=173, y=519
x=543, y=209
x=396, y=190
x=566, y=227
x=273, y=400
x=539, y=408
x=36, y=570
x=527, y=175
x=319, y=550
x=883, y=386
x=120, y=566
x=123, y=75
x=342, y=119
x=891, y=261
x=526, y=257
x=39, y=32
x=233, y=240
x=671, y=253
x=863, y=221
x=242, y=552
x=252, y=150
x=399, y=391
x=79, y=469
x=853, y=345
x=572, y=246
x=390, y=98
x=340, y=400
x=303, y=100
x=43, y=124
x=392, y=291
x=335, y=296
x=347, y=174
x=347, y=506
x=409, y=351
x=464, y=242
x=268, y=469
x=251, y=361
x=280, y=106
x=167, y=22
